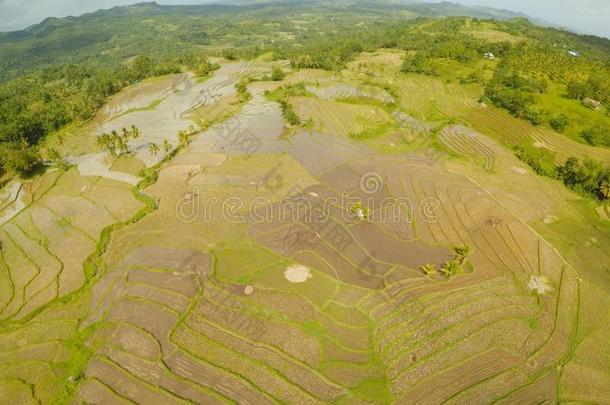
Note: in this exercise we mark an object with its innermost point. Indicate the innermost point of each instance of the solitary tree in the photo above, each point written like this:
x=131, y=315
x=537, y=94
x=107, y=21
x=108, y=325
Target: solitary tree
x=277, y=74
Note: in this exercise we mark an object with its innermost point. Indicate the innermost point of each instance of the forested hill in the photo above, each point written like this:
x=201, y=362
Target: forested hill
x=107, y=36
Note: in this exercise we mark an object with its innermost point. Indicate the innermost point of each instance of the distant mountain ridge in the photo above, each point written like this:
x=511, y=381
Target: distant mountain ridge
x=441, y=9
x=113, y=35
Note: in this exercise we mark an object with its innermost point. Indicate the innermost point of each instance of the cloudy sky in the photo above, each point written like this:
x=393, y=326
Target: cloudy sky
x=587, y=16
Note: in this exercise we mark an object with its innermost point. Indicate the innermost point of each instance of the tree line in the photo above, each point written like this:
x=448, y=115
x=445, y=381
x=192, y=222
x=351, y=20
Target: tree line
x=588, y=177
x=45, y=101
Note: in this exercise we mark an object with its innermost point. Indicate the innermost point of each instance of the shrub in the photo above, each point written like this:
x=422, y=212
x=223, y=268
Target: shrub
x=559, y=123
x=288, y=112
x=242, y=90
x=205, y=67
x=277, y=74
x=597, y=135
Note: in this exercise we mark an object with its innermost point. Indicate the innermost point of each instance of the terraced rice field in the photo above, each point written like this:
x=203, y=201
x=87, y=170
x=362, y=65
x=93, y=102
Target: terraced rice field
x=432, y=99
x=185, y=296
x=338, y=118
x=512, y=130
x=342, y=91
x=467, y=143
x=45, y=244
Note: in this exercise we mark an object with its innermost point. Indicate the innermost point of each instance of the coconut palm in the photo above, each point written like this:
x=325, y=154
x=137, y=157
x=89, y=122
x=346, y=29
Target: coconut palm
x=605, y=189
x=112, y=149
x=462, y=252
x=429, y=269
x=167, y=147
x=121, y=145
x=154, y=149
x=451, y=268
x=115, y=143
x=103, y=141
x=58, y=160
x=183, y=138
x=135, y=132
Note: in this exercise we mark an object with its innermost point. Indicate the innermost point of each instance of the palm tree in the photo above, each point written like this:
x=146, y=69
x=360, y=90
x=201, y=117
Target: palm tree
x=167, y=147
x=605, y=189
x=451, y=268
x=154, y=149
x=191, y=130
x=429, y=269
x=122, y=146
x=183, y=138
x=135, y=132
x=462, y=252
x=103, y=140
x=112, y=149
x=115, y=144
x=56, y=158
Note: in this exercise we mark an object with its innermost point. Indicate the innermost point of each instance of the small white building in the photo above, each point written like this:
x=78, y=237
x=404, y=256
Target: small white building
x=575, y=54
x=490, y=56
x=592, y=104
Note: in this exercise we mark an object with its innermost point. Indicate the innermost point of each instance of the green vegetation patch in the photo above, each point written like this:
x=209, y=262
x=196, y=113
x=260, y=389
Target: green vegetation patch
x=375, y=390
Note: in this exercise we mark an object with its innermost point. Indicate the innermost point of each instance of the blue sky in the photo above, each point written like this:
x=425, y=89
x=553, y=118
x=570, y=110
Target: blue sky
x=586, y=16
